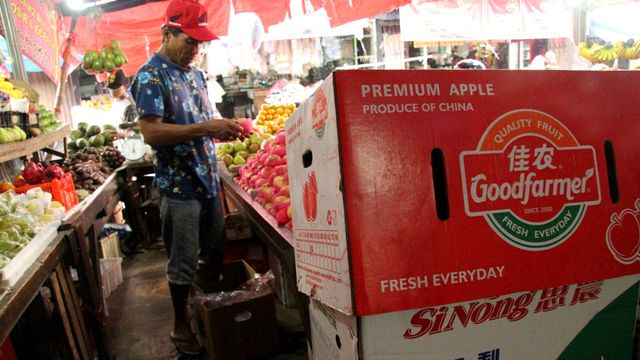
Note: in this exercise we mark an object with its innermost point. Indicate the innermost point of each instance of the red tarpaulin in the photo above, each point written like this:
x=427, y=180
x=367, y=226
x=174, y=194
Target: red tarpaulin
x=270, y=12
x=138, y=29
x=344, y=11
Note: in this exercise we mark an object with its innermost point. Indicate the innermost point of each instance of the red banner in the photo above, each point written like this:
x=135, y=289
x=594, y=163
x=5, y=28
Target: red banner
x=36, y=22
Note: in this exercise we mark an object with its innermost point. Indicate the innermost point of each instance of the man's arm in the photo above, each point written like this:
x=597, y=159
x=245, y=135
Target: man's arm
x=158, y=133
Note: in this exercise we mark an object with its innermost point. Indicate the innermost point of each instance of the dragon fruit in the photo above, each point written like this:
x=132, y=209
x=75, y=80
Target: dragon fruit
x=54, y=171
x=34, y=173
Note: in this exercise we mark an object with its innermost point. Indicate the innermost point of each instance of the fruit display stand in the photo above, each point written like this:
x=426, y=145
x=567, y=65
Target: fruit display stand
x=45, y=262
x=18, y=149
x=279, y=239
x=75, y=244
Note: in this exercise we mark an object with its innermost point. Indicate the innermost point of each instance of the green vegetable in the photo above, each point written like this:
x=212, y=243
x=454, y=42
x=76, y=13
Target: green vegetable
x=47, y=119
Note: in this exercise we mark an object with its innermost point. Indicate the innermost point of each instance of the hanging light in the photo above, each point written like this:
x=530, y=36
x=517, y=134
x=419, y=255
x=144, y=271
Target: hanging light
x=80, y=5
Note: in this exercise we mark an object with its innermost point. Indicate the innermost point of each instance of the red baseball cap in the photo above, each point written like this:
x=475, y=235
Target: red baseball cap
x=190, y=17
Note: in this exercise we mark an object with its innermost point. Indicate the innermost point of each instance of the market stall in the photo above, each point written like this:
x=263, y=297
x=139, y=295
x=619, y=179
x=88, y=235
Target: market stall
x=392, y=204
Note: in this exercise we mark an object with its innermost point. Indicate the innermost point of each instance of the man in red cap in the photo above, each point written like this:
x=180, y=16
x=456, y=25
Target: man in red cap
x=175, y=117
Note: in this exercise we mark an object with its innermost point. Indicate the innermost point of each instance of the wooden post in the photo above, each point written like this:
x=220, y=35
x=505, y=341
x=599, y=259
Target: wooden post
x=65, y=66
x=63, y=75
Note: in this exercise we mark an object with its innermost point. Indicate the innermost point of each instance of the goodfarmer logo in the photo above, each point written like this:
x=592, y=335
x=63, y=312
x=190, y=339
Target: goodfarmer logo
x=530, y=179
x=319, y=113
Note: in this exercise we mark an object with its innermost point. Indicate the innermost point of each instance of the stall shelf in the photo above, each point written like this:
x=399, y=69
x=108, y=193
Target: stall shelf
x=49, y=268
x=85, y=221
x=10, y=151
x=279, y=239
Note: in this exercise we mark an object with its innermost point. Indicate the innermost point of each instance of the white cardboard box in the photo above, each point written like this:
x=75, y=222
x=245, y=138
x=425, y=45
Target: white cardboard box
x=12, y=271
x=580, y=321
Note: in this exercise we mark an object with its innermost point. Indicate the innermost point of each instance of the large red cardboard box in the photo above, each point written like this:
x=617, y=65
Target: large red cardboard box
x=417, y=188
x=593, y=320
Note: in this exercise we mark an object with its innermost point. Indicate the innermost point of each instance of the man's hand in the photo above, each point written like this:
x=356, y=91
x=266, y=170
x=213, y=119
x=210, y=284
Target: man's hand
x=223, y=129
x=158, y=133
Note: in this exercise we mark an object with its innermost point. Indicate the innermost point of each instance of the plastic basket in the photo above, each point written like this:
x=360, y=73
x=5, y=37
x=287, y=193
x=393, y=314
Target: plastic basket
x=110, y=274
x=62, y=190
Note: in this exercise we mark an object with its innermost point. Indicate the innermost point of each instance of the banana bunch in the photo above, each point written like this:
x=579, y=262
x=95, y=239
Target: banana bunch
x=628, y=49
x=605, y=54
x=636, y=49
x=588, y=49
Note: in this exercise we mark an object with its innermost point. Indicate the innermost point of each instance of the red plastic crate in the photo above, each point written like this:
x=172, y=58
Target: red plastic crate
x=63, y=190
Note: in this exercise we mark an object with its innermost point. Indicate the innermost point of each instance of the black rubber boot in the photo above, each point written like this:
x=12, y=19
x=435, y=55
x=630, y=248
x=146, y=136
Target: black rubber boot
x=182, y=337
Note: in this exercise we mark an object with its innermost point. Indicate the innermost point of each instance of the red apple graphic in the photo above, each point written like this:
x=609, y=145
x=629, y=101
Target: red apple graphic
x=313, y=183
x=309, y=199
x=313, y=204
x=305, y=199
x=623, y=235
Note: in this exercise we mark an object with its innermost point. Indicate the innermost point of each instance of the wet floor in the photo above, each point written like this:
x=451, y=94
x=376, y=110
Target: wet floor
x=141, y=316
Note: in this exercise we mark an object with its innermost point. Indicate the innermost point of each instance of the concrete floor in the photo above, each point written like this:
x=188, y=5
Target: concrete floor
x=141, y=316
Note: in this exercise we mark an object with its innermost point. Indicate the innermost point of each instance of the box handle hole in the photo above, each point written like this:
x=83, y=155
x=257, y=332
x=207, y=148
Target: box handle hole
x=440, y=184
x=243, y=316
x=338, y=342
x=307, y=158
x=612, y=175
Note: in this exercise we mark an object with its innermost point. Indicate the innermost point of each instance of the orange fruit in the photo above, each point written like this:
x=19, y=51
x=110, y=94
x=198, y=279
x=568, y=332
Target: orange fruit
x=19, y=181
x=6, y=186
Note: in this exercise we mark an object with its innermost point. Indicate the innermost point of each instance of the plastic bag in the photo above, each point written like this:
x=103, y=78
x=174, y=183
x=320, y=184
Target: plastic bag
x=258, y=286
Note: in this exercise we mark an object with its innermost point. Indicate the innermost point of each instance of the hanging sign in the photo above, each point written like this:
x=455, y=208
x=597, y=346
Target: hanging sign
x=446, y=20
x=36, y=22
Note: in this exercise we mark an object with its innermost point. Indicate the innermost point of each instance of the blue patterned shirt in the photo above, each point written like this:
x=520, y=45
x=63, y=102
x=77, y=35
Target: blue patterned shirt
x=178, y=95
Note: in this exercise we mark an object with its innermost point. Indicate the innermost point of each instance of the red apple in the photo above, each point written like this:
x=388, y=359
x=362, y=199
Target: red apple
x=281, y=217
x=273, y=160
x=280, y=138
x=281, y=169
x=278, y=149
x=284, y=191
x=266, y=192
x=266, y=172
x=279, y=181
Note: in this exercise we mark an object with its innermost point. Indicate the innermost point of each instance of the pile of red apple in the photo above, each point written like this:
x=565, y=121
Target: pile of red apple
x=265, y=177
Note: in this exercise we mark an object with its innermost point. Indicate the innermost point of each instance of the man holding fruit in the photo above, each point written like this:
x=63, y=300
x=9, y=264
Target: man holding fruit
x=175, y=117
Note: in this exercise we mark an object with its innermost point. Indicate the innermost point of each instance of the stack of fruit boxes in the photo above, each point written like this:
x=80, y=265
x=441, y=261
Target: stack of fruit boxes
x=413, y=190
